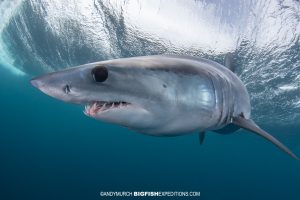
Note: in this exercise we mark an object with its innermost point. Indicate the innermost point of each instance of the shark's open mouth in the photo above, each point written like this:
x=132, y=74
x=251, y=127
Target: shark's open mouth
x=95, y=107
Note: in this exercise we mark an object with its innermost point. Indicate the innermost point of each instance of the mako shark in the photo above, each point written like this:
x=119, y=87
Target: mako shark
x=162, y=95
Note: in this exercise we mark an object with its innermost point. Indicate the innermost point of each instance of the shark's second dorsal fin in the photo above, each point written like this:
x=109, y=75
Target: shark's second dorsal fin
x=228, y=62
x=250, y=125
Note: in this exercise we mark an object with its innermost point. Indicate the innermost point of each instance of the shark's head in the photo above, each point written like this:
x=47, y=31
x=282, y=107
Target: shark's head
x=112, y=92
x=153, y=94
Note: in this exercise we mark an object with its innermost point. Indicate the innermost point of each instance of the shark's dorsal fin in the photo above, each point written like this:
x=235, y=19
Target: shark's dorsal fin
x=201, y=137
x=228, y=61
x=250, y=125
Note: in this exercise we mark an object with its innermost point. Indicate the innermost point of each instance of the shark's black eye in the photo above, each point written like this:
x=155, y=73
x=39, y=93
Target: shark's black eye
x=100, y=73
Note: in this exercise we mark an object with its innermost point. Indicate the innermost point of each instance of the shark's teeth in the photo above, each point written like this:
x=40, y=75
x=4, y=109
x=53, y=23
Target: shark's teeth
x=104, y=106
x=99, y=106
x=86, y=110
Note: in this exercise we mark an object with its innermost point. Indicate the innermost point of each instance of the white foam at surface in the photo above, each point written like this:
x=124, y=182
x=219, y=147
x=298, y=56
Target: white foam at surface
x=7, y=9
x=288, y=87
x=184, y=24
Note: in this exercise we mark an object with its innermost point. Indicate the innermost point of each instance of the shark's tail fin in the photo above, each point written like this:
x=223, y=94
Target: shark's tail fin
x=250, y=125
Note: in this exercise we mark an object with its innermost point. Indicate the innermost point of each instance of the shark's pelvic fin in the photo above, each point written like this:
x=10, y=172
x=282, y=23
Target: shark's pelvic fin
x=229, y=62
x=201, y=137
x=250, y=125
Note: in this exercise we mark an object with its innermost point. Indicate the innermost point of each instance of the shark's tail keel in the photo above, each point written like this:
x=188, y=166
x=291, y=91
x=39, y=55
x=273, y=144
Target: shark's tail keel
x=250, y=125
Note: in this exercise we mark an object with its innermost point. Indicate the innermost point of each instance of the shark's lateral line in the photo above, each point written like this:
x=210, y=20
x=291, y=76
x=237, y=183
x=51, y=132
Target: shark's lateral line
x=159, y=95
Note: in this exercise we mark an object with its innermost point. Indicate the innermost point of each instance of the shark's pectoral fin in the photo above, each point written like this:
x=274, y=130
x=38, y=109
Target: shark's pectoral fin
x=201, y=137
x=250, y=125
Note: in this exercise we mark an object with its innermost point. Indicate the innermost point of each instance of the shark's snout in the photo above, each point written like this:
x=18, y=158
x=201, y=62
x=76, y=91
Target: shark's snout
x=36, y=82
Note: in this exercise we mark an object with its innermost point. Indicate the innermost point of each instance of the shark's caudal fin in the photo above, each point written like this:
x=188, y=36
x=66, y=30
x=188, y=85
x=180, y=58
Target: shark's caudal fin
x=250, y=125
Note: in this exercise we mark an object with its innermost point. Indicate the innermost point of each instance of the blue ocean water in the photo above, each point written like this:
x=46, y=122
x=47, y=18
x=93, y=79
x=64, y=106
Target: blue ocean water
x=51, y=150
